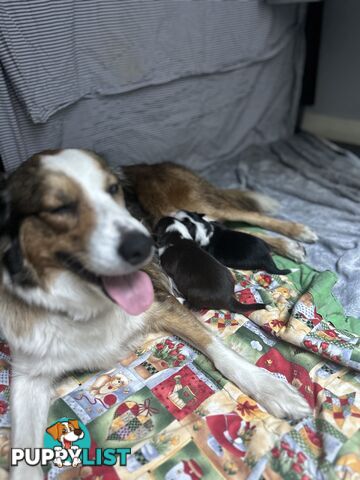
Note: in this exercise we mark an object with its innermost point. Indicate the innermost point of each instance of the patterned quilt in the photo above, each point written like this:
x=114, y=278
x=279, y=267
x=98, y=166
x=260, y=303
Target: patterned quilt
x=184, y=421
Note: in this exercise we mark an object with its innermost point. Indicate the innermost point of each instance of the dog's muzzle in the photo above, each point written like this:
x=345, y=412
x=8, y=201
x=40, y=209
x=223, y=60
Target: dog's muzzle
x=135, y=247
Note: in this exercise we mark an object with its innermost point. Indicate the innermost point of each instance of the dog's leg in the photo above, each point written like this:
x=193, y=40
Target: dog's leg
x=297, y=231
x=278, y=397
x=29, y=402
x=282, y=246
x=252, y=201
x=163, y=188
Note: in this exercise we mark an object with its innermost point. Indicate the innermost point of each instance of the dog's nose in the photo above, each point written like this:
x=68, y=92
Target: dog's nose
x=78, y=431
x=135, y=247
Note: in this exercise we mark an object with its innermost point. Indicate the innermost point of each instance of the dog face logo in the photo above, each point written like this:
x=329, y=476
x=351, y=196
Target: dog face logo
x=67, y=437
x=66, y=432
x=67, y=443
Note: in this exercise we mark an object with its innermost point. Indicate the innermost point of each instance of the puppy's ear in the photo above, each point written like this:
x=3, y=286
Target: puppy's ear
x=54, y=430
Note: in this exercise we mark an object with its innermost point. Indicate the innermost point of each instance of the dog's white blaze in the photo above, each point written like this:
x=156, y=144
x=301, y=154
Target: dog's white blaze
x=201, y=236
x=112, y=220
x=180, y=228
x=79, y=166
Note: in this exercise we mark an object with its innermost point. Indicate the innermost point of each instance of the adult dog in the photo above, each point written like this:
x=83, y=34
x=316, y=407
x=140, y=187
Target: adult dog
x=66, y=240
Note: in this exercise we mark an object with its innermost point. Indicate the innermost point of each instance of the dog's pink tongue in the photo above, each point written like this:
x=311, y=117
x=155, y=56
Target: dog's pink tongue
x=133, y=292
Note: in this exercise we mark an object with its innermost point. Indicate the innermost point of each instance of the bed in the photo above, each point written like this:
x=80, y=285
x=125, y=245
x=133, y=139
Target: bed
x=180, y=417
x=209, y=105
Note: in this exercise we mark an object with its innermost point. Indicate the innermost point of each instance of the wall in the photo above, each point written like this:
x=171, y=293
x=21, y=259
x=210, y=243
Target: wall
x=336, y=113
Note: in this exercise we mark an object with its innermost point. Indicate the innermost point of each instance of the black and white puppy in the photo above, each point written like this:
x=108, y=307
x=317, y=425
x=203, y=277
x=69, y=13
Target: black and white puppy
x=200, y=278
x=231, y=248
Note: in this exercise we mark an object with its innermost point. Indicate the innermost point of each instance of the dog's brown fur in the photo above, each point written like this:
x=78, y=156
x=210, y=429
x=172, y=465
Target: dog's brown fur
x=164, y=188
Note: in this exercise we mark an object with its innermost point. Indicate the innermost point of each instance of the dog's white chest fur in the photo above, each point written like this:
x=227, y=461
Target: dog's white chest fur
x=59, y=344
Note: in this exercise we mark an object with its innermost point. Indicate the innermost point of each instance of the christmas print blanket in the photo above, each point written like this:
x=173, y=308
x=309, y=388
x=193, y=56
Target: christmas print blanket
x=183, y=420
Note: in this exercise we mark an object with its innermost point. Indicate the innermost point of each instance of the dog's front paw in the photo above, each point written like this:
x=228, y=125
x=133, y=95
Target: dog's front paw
x=294, y=250
x=282, y=399
x=304, y=233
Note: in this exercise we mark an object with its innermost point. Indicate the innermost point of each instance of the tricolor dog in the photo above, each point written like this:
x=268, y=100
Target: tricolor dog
x=79, y=289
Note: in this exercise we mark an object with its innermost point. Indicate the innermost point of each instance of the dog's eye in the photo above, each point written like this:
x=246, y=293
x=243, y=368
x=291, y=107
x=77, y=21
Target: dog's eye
x=63, y=209
x=113, y=189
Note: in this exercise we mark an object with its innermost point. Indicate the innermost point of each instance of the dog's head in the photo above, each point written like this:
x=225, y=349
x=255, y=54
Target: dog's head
x=67, y=213
x=66, y=432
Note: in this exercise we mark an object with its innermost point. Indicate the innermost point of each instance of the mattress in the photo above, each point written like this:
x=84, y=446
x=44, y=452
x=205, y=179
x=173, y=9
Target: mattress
x=179, y=416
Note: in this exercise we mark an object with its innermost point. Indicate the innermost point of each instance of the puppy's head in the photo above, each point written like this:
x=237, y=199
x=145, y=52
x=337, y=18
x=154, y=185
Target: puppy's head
x=168, y=230
x=198, y=226
x=67, y=211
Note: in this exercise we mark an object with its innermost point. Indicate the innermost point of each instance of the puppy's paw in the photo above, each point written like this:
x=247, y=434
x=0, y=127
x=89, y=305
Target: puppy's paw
x=295, y=251
x=304, y=234
x=283, y=400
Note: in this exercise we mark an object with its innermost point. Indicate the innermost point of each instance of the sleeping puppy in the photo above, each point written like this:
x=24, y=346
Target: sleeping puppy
x=234, y=249
x=201, y=279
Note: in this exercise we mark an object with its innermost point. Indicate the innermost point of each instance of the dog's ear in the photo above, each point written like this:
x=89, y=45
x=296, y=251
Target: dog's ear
x=54, y=430
x=13, y=260
x=75, y=424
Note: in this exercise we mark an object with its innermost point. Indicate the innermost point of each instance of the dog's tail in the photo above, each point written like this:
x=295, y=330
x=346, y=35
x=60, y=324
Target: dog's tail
x=253, y=201
x=270, y=267
x=238, y=307
x=277, y=271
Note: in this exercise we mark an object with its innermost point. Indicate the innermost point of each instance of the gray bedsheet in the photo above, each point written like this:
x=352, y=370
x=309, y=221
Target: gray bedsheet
x=317, y=183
